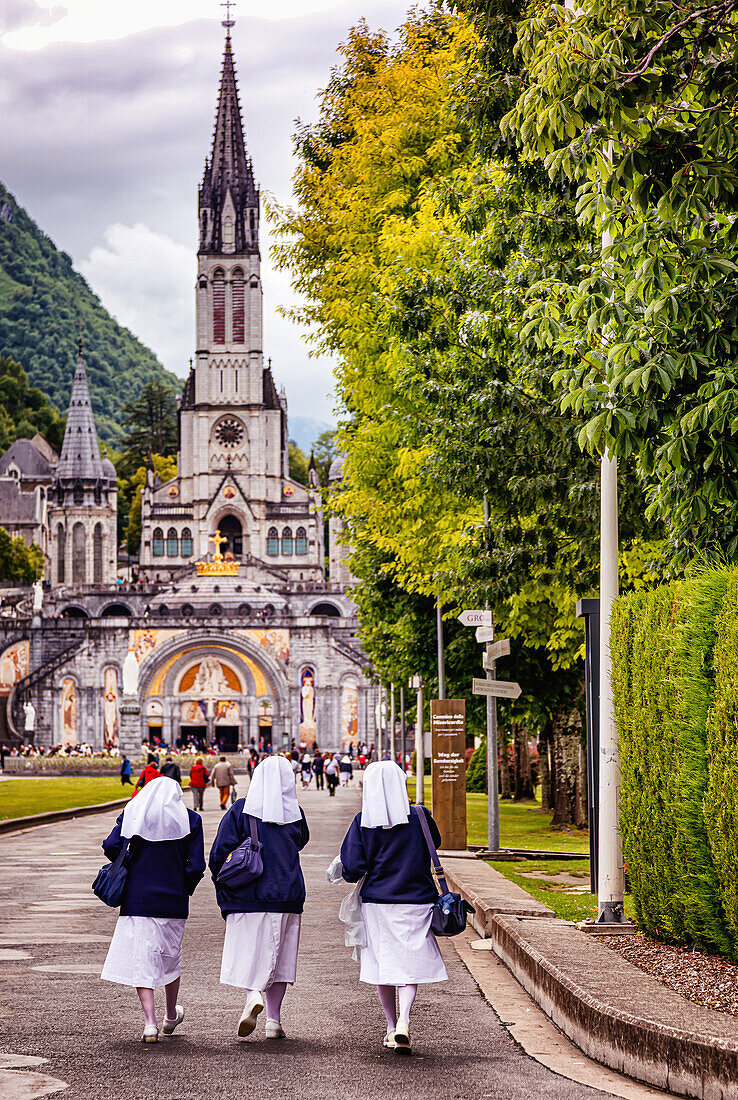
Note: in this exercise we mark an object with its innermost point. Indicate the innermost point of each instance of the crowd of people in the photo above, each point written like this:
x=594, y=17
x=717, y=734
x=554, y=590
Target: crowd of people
x=386, y=853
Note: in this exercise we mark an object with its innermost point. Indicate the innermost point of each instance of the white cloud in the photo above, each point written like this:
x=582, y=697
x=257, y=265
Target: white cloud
x=146, y=280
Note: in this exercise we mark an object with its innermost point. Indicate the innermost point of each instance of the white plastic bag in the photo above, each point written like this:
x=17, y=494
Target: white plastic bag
x=334, y=873
x=351, y=914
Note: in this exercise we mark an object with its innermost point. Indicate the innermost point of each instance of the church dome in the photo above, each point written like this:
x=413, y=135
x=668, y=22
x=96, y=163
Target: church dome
x=108, y=469
x=336, y=471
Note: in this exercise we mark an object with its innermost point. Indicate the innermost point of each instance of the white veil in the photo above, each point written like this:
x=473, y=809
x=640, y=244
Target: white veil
x=272, y=795
x=157, y=812
x=384, y=803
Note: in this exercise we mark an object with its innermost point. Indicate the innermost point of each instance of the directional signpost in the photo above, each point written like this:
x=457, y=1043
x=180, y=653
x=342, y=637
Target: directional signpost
x=493, y=689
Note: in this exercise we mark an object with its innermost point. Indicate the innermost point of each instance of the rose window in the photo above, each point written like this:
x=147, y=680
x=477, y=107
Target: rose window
x=229, y=432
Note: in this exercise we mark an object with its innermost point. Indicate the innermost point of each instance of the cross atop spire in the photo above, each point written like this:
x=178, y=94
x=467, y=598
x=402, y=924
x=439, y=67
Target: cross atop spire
x=228, y=22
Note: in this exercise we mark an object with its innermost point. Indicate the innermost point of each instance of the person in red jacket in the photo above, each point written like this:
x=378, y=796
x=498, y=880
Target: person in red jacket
x=199, y=779
x=150, y=772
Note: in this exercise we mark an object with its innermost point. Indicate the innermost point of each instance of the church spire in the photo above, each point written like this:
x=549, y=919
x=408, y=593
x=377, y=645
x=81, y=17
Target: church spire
x=80, y=456
x=228, y=190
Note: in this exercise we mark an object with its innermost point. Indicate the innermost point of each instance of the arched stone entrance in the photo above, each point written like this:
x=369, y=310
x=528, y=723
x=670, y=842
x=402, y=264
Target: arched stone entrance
x=231, y=529
x=205, y=687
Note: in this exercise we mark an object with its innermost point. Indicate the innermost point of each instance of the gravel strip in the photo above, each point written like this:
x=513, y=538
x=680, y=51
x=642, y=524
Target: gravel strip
x=708, y=980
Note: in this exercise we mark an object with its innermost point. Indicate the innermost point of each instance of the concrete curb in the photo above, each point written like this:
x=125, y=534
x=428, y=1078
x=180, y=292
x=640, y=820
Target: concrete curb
x=618, y=1015
x=15, y=824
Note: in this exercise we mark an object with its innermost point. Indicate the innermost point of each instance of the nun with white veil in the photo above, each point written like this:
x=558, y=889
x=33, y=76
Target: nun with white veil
x=165, y=861
x=263, y=917
x=385, y=849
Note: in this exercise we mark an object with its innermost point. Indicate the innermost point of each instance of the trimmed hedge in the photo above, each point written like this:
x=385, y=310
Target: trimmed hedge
x=663, y=644
x=476, y=773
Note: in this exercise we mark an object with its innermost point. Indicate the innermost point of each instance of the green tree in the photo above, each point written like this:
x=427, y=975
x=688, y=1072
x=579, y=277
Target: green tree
x=151, y=423
x=324, y=451
x=19, y=562
x=298, y=463
x=166, y=468
x=24, y=410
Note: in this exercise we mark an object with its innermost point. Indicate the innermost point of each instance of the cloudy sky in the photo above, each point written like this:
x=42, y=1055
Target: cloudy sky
x=107, y=113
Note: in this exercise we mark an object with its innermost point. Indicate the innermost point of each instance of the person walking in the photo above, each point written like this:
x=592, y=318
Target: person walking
x=125, y=772
x=331, y=774
x=346, y=769
x=171, y=770
x=307, y=770
x=151, y=771
x=318, y=765
x=199, y=779
x=263, y=918
x=166, y=860
x=223, y=778
x=385, y=843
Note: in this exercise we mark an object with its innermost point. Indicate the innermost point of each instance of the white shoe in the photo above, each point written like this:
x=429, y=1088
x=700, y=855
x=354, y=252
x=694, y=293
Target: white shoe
x=168, y=1026
x=402, y=1037
x=389, y=1040
x=274, y=1029
x=247, y=1023
x=150, y=1034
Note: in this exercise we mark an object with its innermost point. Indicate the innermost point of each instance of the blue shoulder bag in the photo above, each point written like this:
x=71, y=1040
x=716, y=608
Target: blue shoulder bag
x=244, y=864
x=449, y=912
x=111, y=880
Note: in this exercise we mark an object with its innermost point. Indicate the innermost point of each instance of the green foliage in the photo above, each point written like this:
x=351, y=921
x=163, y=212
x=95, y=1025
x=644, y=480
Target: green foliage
x=298, y=463
x=324, y=451
x=19, y=562
x=41, y=300
x=662, y=649
x=476, y=773
x=151, y=423
x=130, y=494
x=24, y=410
x=721, y=795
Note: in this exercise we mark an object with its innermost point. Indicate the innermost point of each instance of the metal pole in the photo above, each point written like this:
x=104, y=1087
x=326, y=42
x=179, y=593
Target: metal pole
x=441, y=666
x=493, y=792
x=419, y=754
x=380, y=724
x=402, y=727
x=393, y=752
x=610, y=879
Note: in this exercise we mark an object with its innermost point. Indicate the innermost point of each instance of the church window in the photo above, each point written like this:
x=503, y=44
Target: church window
x=228, y=231
x=97, y=554
x=237, y=303
x=252, y=224
x=301, y=542
x=158, y=542
x=79, y=554
x=287, y=540
x=229, y=432
x=219, y=308
x=186, y=543
x=172, y=543
x=61, y=553
x=273, y=542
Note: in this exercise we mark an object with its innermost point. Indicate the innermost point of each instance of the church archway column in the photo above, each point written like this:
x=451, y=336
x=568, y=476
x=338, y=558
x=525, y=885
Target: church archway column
x=131, y=733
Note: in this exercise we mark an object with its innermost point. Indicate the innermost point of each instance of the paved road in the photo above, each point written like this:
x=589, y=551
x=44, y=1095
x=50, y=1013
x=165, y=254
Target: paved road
x=53, y=939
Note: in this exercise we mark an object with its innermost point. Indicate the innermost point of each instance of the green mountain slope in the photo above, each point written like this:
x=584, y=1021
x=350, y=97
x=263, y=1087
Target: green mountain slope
x=41, y=300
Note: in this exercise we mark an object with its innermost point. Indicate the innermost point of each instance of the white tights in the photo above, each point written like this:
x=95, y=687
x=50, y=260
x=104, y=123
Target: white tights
x=393, y=996
x=273, y=996
x=146, y=997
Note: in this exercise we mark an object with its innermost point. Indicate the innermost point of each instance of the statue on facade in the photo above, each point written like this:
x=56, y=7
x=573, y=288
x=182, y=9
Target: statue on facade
x=38, y=597
x=130, y=674
x=30, y=714
x=210, y=680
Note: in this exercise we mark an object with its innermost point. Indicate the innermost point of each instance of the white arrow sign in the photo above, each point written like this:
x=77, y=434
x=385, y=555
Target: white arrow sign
x=485, y=634
x=502, y=689
x=475, y=618
x=499, y=649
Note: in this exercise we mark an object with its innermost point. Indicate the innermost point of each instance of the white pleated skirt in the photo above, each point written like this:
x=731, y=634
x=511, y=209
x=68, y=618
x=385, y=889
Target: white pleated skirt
x=260, y=948
x=145, y=952
x=401, y=949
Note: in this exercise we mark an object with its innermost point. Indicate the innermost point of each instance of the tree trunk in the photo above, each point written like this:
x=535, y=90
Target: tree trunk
x=567, y=733
x=544, y=764
x=505, y=791
x=523, y=781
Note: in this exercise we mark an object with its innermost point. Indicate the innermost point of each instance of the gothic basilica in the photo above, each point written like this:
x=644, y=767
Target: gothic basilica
x=233, y=631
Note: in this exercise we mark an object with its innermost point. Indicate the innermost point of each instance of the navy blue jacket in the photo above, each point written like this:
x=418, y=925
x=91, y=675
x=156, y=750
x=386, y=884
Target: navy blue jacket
x=163, y=874
x=281, y=888
x=396, y=861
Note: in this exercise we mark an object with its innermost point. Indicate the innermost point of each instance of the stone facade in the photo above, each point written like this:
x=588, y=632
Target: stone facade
x=233, y=631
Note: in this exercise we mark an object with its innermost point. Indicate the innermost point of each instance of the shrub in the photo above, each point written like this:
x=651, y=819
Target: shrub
x=476, y=773
x=662, y=644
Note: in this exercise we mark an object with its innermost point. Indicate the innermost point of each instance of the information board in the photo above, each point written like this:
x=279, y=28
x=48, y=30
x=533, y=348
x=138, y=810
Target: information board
x=448, y=770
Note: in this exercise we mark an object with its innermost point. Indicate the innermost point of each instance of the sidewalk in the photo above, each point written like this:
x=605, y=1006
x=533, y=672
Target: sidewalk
x=616, y=1013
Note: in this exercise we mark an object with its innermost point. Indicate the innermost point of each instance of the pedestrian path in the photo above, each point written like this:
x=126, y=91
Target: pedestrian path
x=60, y=1025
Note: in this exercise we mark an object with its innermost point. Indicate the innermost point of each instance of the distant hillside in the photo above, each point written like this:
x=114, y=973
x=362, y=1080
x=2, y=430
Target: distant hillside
x=41, y=300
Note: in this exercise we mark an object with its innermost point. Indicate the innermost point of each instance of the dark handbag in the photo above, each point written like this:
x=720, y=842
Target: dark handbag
x=111, y=880
x=449, y=912
x=244, y=863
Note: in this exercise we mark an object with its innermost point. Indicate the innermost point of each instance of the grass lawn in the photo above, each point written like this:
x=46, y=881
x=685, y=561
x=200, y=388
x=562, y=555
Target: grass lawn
x=20, y=797
x=522, y=824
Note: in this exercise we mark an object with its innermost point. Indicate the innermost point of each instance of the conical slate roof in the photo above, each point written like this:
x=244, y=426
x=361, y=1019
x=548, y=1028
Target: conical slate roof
x=229, y=164
x=80, y=457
